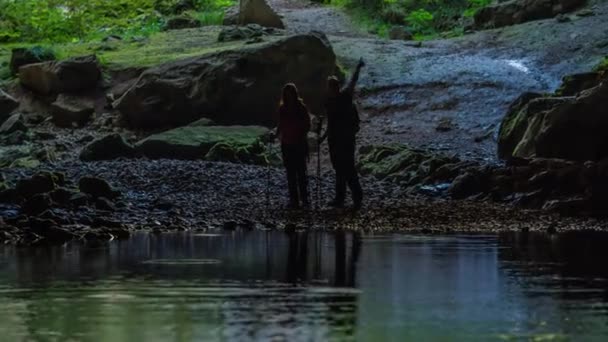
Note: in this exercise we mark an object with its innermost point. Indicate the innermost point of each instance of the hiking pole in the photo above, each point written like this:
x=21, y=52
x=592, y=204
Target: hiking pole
x=268, y=170
x=318, y=195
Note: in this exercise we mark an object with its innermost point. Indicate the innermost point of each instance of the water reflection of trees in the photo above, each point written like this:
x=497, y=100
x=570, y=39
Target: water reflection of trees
x=267, y=284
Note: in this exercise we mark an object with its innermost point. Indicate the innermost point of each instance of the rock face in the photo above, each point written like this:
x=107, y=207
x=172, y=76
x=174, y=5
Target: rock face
x=111, y=146
x=70, y=110
x=25, y=56
x=7, y=105
x=519, y=11
x=68, y=76
x=231, y=16
x=232, y=87
x=566, y=127
x=218, y=143
x=258, y=12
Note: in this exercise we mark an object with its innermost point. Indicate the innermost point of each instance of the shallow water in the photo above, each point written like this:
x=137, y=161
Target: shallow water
x=308, y=286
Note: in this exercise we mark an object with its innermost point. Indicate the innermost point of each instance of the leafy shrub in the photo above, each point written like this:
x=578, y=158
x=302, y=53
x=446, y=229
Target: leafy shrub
x=421, y=21
x=73, y=20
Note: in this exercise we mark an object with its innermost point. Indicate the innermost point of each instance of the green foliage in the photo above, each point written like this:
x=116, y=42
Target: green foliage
x=78, y=20
x=421, y=21
x=603, y=65
x=425, y=18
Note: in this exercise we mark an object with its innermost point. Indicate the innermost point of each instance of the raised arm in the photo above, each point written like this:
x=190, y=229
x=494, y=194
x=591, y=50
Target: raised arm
x=350, y=88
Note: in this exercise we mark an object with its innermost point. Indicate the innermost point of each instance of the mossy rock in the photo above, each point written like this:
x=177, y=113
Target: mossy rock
x=218, y=143
x=514, y=125
x=401, y=163
x=10, y=154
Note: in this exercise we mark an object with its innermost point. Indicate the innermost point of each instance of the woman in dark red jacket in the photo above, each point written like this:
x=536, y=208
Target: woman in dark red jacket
x=292, y=130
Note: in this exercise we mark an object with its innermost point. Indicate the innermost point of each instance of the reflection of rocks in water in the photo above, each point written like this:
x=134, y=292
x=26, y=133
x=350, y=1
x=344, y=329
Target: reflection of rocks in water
x=565, y=262
x=263, y=284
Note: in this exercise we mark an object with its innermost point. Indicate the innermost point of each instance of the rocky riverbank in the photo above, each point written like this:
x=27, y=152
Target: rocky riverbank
x=94, y=151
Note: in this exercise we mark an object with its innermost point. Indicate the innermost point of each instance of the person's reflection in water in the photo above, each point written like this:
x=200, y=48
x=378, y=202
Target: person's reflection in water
x=297, y=257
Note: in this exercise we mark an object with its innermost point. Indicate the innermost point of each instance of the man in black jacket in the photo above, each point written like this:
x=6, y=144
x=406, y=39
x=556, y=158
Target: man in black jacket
x=342, y=128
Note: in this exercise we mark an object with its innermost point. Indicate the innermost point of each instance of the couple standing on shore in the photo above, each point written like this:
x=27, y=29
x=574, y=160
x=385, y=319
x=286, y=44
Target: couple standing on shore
x=342, y=127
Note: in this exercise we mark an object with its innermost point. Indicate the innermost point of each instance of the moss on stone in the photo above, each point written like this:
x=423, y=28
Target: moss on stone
x=156, y=49
x=217, y=143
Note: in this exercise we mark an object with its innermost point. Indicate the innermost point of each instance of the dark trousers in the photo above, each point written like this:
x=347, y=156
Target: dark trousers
x=294, y=159
x=342, y=154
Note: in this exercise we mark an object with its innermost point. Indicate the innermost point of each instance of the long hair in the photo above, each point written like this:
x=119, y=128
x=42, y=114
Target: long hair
x=291, y=88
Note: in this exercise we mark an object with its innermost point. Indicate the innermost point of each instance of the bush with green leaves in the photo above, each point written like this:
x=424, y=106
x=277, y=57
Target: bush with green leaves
x=76, y=20
x=423, y=17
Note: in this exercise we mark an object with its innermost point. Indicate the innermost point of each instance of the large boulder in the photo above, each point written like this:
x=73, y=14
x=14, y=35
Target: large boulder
x=231, y=87
x=7, y=105
x=68, y=76
x=258, y=12
x=574, y=130
x=69, y=110
x=111, y=146
x=567, y=127
x=25, y=56
x=218, y=143
x=513, y=12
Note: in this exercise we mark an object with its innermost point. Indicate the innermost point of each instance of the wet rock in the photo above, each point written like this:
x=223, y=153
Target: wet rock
x=258, y=12
x=469, y=184
x=7, y=105
x=111, y=146
x=50, y=231
x=70, y=110
x=37, y=204
x=180, y=92
x=13, y=124
x=181, y=22
x=97, y=187
x=71, y=75
x=513, y=12
x=32, y=55
x=39, y=183
x=400, y=33
x=236, y=143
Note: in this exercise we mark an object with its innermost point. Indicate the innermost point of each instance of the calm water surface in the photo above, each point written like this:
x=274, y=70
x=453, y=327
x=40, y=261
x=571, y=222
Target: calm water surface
x=308, y=287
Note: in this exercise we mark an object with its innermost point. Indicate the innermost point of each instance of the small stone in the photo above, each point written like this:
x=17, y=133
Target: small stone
x=13, y=124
